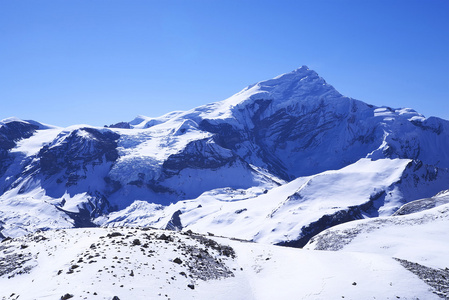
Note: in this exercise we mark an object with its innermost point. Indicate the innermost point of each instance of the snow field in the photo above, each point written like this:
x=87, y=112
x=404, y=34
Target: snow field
x=103, y=263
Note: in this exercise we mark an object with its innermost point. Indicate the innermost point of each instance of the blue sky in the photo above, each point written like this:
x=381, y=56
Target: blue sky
x=103, y=61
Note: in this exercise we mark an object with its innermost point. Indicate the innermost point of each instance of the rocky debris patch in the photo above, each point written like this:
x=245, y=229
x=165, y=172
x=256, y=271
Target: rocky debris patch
x=334, y=240
x=202, y=265
x=14, y=261
x=38, y=238
x=120, y=257
x=423, y=204
x=438, y=279
x=209, y=243
x=114, y=234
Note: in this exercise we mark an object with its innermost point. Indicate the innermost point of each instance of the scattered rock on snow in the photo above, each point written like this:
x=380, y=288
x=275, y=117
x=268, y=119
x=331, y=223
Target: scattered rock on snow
x=66, y=296
x=177, y=261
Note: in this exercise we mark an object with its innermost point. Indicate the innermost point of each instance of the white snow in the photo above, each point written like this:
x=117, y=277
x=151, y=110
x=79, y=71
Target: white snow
x=32, y=145
x=280, y=213
x=145, y=150
x=104, y=265
x=419, y=237
x=26, y=213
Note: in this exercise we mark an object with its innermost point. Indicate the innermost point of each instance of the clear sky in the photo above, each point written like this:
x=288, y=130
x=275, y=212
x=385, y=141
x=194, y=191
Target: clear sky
x=98, y=62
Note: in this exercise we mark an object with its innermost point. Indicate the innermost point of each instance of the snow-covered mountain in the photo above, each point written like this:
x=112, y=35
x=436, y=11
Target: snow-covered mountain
x=278, y=162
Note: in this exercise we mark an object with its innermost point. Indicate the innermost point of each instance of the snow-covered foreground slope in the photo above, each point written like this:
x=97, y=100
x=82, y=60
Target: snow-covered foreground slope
x=131, y=263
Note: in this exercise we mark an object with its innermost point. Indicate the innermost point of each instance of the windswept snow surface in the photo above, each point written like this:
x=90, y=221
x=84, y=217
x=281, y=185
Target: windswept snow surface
x=33, y=145
x=152, y=264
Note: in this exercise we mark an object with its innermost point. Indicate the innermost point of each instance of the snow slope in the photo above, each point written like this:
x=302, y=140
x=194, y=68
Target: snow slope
x=395, y=235
x=151, y=264
x=417, y=240
x=289, y=214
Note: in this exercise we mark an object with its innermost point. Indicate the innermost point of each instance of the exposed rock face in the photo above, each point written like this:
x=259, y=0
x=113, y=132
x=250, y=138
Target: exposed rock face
x=14, y=131
x=325, y=222
x=10, y=134
x=198, y=155
x=77, y=150
x=175, y=221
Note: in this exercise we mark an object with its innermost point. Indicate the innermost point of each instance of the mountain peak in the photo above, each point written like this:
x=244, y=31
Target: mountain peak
x=27, y=122
x=299, y=72
x=11, y=119
x=301, y=79
x=293, y=76
x=302, y=85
